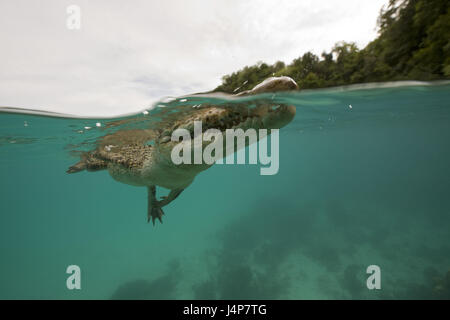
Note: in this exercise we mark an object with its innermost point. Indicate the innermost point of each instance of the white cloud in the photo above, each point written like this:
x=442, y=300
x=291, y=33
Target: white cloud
x=130, y=53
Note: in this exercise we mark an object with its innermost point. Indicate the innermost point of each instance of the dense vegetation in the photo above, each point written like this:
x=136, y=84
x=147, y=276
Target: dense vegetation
x=413, y=43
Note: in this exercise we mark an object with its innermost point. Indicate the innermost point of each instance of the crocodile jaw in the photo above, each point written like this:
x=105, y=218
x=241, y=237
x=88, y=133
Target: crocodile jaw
x=260, y=117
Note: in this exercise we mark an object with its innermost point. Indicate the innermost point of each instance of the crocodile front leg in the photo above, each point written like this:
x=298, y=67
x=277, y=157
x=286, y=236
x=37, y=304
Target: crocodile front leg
x=154, y=210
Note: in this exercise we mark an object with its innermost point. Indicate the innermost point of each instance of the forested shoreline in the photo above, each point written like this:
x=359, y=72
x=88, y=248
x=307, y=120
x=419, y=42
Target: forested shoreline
x=413, y=43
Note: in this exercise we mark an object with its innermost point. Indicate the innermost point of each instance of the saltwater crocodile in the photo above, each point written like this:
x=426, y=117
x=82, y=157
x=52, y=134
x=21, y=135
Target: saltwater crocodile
x=131, y=159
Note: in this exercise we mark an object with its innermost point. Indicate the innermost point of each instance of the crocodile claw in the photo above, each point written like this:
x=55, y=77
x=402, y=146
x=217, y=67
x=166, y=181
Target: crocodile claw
x=155, y=213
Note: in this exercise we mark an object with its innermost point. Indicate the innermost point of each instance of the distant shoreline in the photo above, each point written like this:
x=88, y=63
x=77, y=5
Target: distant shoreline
x=413, y=45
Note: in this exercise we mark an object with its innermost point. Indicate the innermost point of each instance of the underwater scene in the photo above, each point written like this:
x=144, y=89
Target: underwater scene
x=363, y=180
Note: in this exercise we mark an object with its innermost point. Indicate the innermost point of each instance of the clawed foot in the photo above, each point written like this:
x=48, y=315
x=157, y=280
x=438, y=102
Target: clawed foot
x=155, y=213
x=154, y=206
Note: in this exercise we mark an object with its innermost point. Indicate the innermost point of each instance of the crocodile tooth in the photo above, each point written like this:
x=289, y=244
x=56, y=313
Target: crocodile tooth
x=164, y=139
x=190, y=127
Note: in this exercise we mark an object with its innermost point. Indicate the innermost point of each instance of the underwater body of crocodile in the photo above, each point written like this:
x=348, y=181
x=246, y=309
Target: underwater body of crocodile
x=129, y=158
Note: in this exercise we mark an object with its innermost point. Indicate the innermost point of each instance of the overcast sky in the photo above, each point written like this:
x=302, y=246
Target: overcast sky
x=128, y=54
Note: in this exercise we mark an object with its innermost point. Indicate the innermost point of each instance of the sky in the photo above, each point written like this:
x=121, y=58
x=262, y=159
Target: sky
x=127, y=55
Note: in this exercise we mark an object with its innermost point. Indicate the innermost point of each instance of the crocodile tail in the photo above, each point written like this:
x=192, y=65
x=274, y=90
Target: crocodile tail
x=80, y=166
x=90, y=162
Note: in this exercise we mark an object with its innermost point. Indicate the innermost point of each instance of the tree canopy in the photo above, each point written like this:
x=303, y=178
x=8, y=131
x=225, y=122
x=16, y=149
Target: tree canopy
x=413, y=43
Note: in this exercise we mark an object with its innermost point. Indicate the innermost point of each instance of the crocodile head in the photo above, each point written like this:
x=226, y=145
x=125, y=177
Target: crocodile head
x=264, y=115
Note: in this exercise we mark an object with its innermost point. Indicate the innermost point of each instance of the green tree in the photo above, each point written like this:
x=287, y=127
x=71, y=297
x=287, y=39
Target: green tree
x=413, y=43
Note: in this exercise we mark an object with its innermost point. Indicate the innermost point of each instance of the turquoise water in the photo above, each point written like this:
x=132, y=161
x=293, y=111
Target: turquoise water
x=357, y=186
